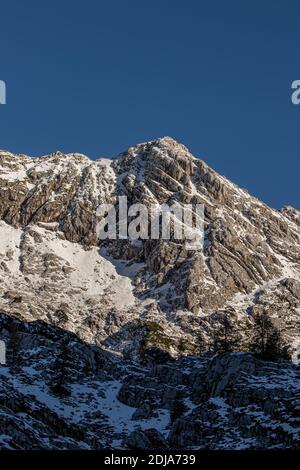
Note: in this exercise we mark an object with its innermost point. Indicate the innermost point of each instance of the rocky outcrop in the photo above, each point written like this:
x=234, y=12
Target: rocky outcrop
x=242, y=403
x=230, y=401
x=149, y=439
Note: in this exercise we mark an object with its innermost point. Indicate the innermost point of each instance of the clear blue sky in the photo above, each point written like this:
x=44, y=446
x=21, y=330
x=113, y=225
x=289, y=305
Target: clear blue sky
x=99, y=76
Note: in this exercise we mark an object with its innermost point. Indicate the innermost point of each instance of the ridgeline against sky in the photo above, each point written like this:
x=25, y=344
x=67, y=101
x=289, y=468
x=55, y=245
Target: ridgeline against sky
x=97, y=76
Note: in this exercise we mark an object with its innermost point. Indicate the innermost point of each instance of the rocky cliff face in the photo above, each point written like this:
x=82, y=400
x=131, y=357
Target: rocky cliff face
x=52, y=269
x=113, y=345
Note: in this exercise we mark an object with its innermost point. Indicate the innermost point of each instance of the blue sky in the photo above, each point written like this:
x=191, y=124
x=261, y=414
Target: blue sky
x=99, y=76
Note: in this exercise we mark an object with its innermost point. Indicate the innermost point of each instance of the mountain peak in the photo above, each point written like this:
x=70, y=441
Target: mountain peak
x=171, y=146
x=249, y=248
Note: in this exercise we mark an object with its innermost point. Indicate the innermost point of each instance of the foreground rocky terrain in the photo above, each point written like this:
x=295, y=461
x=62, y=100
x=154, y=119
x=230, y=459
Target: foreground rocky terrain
x=233, y=401
x=154, y=327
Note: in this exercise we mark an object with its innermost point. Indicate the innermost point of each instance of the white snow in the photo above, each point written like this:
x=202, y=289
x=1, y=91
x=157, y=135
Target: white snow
x=10, y=239
x=92, y=397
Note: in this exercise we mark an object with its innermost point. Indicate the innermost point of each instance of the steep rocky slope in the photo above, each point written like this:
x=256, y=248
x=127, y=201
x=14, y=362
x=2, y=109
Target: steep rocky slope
x=51, y=266
x=140, y=319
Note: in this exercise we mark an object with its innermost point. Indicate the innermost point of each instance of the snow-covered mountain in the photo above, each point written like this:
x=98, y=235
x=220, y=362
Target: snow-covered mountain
x=52, y=268
x=145, y=302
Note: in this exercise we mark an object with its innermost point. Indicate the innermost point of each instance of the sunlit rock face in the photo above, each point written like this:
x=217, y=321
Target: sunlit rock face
x=52, y=267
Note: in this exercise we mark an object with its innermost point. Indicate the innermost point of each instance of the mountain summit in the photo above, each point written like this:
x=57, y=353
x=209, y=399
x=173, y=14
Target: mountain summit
x=51, y=263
